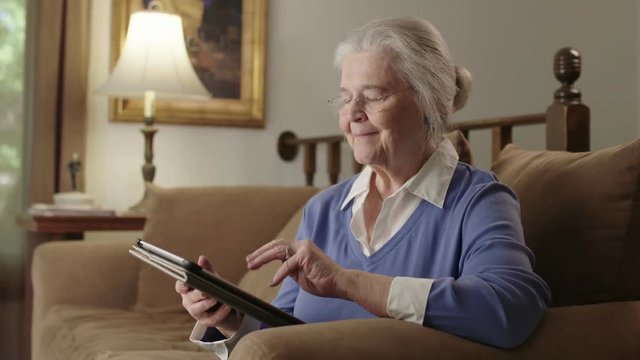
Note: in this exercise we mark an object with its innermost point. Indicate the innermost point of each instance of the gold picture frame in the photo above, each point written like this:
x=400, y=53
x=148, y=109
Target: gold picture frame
x=238, y=47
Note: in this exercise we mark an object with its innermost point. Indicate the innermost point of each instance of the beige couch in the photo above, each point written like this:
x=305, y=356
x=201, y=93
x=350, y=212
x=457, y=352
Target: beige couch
x=581, y=216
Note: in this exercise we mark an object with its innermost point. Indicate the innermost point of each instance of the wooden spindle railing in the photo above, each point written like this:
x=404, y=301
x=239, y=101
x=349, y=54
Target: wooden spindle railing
x=501, y=128
x=288, y=144
x=567, y=122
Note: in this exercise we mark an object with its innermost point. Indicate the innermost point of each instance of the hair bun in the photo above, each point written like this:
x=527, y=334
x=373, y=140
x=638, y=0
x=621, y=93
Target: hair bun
x=463, y=87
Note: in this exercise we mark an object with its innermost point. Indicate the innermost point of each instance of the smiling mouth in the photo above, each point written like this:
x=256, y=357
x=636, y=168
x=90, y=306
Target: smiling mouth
x=366, y=134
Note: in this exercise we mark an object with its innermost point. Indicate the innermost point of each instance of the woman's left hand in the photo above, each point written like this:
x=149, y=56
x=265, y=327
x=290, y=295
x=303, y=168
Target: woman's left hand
x=314, y=271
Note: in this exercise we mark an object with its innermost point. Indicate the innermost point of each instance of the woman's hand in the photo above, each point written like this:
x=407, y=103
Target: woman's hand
x=314, y=271
x=206, y=310
x=319, y=275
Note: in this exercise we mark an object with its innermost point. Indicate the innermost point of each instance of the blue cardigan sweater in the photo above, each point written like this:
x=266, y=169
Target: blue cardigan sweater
x=484, y=287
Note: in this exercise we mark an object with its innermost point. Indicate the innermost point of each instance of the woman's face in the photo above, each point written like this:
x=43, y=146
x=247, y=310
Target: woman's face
x=386, y=133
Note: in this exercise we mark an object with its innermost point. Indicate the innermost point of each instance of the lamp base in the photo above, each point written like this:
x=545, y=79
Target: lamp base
x=141, y=208
x=148, y=169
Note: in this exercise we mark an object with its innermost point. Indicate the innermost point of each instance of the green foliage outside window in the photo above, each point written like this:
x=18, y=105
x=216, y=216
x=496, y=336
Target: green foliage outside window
x=12, y=37
x=12, y=33
x=12, y=45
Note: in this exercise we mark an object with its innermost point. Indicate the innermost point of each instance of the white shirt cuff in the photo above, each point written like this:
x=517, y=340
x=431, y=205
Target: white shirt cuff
x=222, y=348
x=408, y=299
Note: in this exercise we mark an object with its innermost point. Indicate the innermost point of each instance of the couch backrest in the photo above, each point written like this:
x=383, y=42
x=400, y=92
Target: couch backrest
x=223, y=223
x=581, y=217
x=257, y=281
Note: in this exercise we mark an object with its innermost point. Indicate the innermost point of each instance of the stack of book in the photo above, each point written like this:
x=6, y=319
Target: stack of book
x=70, y=204
x=56, y=210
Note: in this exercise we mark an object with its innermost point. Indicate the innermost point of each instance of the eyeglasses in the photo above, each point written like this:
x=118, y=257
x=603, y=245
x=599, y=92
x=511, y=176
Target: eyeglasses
x=366, y=103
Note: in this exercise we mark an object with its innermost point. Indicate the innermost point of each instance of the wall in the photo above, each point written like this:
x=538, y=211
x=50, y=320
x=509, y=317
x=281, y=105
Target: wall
x=507, y=45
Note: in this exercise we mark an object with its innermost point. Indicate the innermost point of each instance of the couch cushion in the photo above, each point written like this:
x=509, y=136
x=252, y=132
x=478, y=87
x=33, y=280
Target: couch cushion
x=156, y=355
x=224, y=223
x=580, y=213
x=87, y=333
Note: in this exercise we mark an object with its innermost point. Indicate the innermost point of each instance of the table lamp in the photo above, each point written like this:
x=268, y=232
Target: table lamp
x=154, y=63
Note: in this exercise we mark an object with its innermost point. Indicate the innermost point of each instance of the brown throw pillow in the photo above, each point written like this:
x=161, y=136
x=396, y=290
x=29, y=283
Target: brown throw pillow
x=224, y=223
x=462, y=146
x=581, y=215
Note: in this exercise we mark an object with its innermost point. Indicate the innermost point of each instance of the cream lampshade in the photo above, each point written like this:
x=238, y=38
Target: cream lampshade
x=154, y=63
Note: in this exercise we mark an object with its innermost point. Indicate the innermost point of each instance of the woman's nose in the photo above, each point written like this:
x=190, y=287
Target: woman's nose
x=353, y=112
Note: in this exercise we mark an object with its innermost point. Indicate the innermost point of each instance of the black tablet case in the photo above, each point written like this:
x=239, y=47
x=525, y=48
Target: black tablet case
x=205, y=281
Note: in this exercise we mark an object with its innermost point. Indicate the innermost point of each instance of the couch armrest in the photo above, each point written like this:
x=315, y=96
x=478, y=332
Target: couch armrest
x=94, y=273
x=599, y=331
x=357, y=339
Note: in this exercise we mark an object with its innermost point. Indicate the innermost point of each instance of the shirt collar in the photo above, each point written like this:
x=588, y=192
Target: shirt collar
x=359, y=186
x=430, y=183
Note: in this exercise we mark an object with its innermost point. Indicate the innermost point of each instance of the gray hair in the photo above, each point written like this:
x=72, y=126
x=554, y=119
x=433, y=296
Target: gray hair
x=422, y=59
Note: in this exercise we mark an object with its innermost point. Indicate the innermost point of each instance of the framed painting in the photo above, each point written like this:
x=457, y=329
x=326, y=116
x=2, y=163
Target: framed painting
x=225, y=40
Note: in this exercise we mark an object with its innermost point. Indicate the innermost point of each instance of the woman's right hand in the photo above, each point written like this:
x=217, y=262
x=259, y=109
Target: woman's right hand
x=205, y=309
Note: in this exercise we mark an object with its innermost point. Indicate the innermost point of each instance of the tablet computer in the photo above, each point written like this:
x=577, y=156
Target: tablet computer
x=195, y=276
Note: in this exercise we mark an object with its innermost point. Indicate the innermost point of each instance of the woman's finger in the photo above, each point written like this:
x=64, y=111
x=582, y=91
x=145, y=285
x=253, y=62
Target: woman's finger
x=196, y=295
x=288, y=267
x=264, y=248
x=280, y=251
x=215, y=318
x=182, y=288
x=205, y=263
x=198, y=309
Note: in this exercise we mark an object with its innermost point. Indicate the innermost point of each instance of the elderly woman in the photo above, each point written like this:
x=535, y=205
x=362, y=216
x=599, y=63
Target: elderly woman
x=416, y=236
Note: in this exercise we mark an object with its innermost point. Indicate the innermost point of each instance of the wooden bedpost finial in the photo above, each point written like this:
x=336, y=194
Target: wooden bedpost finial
x=568, y=118
x=567, y=65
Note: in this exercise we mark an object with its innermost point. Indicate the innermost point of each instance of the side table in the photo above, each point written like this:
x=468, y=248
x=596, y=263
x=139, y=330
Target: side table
x=70, y=227
x=41, y=229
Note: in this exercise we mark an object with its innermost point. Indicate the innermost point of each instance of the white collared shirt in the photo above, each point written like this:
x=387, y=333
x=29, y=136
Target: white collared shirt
x=407, y=296
x=222, y=348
